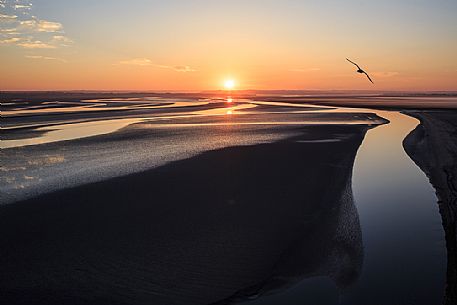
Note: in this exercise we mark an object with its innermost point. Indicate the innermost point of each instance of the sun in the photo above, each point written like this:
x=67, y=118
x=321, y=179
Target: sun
x=229, y=84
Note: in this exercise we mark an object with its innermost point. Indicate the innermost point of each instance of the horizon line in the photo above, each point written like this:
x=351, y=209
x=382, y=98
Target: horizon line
x=221, y=90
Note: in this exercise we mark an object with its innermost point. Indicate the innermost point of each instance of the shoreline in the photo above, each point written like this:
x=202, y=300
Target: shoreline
x=433, y=148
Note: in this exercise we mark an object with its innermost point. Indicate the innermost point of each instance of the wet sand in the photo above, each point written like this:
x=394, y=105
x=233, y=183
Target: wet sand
x=433, y=147
x=226, y=224
x=78, y=148
x=196, y=205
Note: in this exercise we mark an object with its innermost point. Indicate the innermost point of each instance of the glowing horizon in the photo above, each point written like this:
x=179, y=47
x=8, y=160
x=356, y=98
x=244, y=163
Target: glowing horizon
x=267, y=45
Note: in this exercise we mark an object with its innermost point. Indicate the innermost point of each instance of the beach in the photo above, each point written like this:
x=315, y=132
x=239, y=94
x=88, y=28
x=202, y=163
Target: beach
x=161, y=199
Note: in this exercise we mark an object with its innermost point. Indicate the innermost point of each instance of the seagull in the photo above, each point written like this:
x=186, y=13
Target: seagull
x=360, y=69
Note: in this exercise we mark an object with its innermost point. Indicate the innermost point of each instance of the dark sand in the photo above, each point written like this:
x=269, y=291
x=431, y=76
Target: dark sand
x=433, y=147
x=226, y=224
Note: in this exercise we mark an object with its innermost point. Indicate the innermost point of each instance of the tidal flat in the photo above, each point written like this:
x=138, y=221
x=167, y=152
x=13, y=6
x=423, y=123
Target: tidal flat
x=153, y=198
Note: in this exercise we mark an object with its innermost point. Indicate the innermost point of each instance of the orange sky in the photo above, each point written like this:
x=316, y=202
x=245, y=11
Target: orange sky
x=151, y=45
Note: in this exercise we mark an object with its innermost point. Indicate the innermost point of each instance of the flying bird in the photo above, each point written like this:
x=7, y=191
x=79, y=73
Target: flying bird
x=360, y=70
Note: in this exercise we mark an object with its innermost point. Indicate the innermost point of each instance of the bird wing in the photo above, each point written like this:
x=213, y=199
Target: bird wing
x=353, y=63
x=368, y=76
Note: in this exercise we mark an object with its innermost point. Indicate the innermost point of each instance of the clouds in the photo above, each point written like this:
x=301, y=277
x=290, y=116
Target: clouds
x=61, y=40
x=136, y=62
x=181, y=68
x=26, y=43
x=37, y=25
x=10, y=40
x=44, y=58
x=35, y=44
x=19, y=28
x=177, y=68
x=4, y=18
x=147, y=62
x=7, y=31
x=27, y=6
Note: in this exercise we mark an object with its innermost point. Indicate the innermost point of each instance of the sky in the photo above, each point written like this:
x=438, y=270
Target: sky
x=200, y=44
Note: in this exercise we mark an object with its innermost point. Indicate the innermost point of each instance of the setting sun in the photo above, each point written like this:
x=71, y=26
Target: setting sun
x=229, y=84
